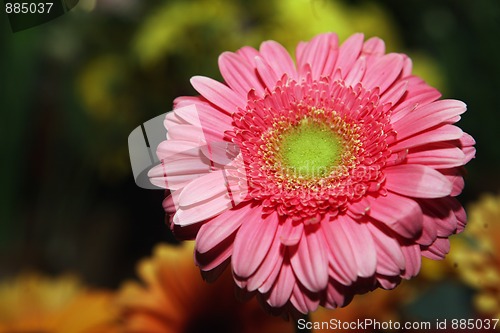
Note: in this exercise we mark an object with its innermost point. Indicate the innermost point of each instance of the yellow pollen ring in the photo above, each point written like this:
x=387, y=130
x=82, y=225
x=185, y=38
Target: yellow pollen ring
x=314, y=152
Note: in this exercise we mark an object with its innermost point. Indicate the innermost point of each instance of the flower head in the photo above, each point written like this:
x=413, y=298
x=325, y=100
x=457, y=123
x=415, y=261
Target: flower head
x=34, y=303
x=314, y=180
x=174, y=298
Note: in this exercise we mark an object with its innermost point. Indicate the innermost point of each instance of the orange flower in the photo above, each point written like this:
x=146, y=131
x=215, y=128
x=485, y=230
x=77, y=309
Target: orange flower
x=33, y=303
x=174, y=298
x=477, y=255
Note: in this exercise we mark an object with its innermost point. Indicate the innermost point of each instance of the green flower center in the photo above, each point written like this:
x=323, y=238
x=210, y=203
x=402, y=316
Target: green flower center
x=310, y=149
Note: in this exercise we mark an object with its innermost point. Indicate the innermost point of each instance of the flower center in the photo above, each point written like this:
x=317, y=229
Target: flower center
x=310, y=149
x=315, y=150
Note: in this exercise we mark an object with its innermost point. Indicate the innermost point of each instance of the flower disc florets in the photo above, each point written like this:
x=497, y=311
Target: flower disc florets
x=350, y=124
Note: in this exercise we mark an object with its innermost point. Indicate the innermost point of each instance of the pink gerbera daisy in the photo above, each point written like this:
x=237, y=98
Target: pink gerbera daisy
x=314, y=180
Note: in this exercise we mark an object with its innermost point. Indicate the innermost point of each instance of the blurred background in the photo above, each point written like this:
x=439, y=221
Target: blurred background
x=74, y=88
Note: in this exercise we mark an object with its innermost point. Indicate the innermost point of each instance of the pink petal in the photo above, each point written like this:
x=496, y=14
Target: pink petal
x=212, y=275
x=413, y=260
x=239, y=75
x=298, y=301
x=429, y=232
x=361, y=242
x=418, y=93
x=180, y=164
x=349, y=53
x=248, y=54
x=271, y=278
x=388, y=282
x=442, y=133
x=193, y=166
x=467, y=142
x=374, y=47
x=216, y=256
x=454, y=176
x=428, y=116
x=329, y=68
x=175, y=182
x=335, y=272
x=459, y=212
x=266, y=73
x=223, y=154
x=291, y=233
x=185, y=132
x=441, y=211
x=335, y=295
x=212, y=120
x=203, y=210
x=395, y=93
x=383, y=72
x=417, y=181
x=172, y=119
x=252, y=243
x=218, y=94
x=438, y=155
x=221, y=227
x=183, y=101
x=445, y=225
x=357, y=72
x=310, y=262
x=204, y=188
x=390, y=259
x=299, y=50
x=187, y=114
x=401, y=214
x=197, y=111
x=317, y=54
x=303, y=300
x=202, y=114
x=282, y=289
x=340, y=251
x=177, y=149
x=407, y=67
x=274, y=258
x=169, y=205
x=360, y=208
x=278, y=58
x=181, y=167
x=437, y=250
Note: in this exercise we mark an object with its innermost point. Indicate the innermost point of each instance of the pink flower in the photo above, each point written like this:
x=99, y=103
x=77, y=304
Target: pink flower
x=317, y=180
